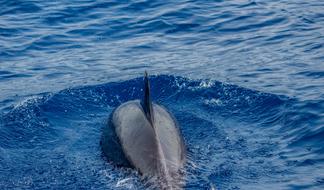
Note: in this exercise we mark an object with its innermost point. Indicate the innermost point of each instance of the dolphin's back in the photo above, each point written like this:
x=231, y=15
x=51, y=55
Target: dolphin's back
x=170, y=140
x=154, y=148
x=136, y=136
x=150, y=139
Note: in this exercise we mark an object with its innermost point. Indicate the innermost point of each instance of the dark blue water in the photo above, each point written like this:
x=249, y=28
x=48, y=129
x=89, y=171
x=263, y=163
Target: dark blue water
x=245, y=80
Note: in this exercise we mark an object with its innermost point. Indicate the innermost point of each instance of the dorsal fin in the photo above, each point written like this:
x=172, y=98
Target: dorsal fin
x=146, y=101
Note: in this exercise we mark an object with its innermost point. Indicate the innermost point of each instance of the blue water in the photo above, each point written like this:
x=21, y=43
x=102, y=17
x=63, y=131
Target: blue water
x=244, y=78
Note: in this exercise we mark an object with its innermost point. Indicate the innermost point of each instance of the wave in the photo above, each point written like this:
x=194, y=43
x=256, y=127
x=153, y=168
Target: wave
x=236, y=137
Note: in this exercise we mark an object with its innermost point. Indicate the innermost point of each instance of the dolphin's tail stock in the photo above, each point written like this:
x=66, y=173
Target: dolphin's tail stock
x=146, y=101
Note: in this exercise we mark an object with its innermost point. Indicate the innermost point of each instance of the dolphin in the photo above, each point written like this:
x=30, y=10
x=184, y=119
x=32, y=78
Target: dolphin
x=149, y=138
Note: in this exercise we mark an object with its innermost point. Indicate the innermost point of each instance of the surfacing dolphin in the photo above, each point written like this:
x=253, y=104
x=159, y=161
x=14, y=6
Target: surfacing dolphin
x=150, y=140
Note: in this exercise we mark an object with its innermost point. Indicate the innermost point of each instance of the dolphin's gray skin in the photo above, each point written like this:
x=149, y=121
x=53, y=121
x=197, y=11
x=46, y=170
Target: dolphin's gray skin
x=150, y=139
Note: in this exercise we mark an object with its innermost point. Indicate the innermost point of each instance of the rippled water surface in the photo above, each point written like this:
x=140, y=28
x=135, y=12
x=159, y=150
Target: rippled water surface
x=244, y=79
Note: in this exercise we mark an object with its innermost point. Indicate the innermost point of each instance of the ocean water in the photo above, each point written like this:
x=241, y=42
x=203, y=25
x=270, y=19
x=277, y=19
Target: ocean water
x=244, y=78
